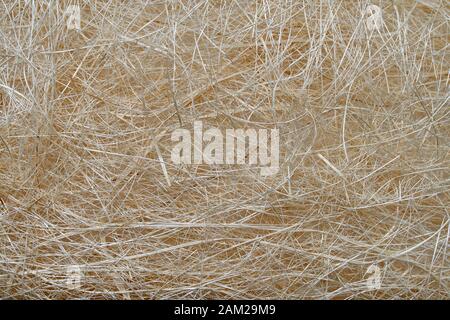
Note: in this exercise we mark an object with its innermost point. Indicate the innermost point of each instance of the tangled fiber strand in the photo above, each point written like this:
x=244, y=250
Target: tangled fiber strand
x=86, y=179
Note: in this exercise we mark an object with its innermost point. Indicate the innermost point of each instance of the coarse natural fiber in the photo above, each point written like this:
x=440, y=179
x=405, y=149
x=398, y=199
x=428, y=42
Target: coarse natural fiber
x=88, y=189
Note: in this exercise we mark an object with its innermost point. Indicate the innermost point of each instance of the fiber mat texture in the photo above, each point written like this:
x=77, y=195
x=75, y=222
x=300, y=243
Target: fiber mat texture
x=92, y=205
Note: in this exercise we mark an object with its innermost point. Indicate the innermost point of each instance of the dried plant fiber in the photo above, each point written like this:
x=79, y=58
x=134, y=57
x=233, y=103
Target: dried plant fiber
x=92, y=207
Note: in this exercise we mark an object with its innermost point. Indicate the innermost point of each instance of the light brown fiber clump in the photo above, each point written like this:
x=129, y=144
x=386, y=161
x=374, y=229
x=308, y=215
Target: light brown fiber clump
x=86, y=177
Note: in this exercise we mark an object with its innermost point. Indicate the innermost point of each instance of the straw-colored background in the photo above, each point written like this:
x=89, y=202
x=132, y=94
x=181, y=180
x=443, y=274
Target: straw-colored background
x=86, y=117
